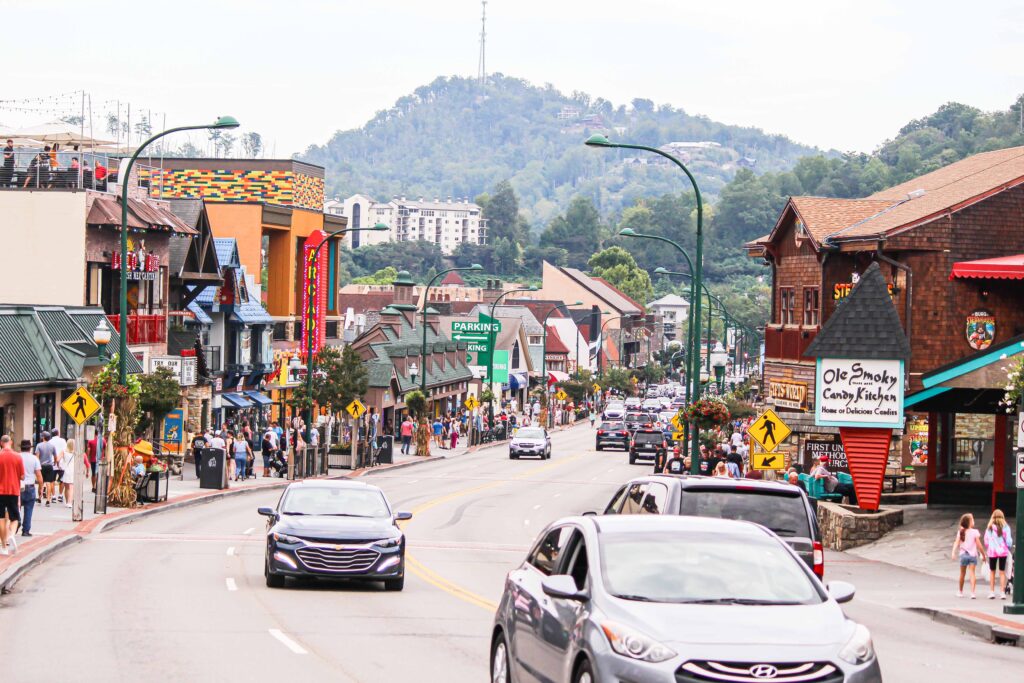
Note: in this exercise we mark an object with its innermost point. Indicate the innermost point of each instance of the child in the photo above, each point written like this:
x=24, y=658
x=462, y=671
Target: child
x=968, y=543
x=998, y=541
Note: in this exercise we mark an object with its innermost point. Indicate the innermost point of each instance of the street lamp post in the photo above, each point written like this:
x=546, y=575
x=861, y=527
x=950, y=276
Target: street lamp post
x=101, y=337
x=696, y=267
x=544, y=345
x=490, y=346
x=600, y=349
x=122, y=360
x=307, y=326
x=423, y=345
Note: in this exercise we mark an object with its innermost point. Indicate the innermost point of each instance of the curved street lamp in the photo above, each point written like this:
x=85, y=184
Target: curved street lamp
x=490, y=345
x=122, y=362
x=696, y=267
x=423, y=345
x=307, y=323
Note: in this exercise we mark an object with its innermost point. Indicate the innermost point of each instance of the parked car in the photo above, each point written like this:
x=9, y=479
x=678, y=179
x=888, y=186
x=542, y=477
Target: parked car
x=530, y=441
x=612, y=434
x=334, y=530
x=647, y=443
x=782, y=508
x=656, y=599
x=615, y=410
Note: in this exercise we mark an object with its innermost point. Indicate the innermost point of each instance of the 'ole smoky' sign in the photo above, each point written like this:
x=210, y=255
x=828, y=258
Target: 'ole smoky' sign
x=859, y=393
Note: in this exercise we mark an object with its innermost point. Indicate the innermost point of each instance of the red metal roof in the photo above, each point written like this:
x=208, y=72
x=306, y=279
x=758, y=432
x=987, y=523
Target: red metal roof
x=1001, y=268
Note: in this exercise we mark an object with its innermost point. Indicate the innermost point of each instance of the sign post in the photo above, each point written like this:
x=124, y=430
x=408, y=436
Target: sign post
x=1017, y=607
x=80, y=406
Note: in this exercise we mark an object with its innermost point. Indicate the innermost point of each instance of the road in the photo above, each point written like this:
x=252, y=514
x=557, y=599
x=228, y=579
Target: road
x=180, y=596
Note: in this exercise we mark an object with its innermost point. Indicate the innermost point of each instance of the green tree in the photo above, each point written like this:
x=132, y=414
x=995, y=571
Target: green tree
x=502, y=213
x=617, y=266
x=384, y=276
x=340, y=377
x=619, y=380
x=576, y=232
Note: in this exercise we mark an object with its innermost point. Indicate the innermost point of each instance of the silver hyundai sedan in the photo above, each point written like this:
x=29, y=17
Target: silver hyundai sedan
x=665, y=599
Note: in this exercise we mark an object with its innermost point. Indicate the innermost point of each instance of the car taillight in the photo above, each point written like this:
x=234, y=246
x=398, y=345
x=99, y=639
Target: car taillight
x=625, y=432
x=600, y=432
x=819, y=560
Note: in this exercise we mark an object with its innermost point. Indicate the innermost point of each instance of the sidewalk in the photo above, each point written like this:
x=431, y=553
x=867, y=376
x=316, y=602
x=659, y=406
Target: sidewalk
x=918, y=557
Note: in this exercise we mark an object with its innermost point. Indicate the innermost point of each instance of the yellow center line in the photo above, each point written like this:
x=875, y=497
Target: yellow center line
x=423, y=572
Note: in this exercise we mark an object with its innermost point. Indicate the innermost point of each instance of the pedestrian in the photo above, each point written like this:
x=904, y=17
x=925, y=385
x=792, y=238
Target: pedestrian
x=91, y=447
x=67, y=481
x=47, y=454
x=721, y=470
x=453, y=436
x=199, y=442
x=676, y=464
x=593, y=418
x=242, y=451
x=7, y=170
x=229, y=443
x=998, y=541
x=405, y=431
x=12, y=473
x=268, y=447
x=967, y=545
x=31, y=485
x=436, y=428
x=59, y=445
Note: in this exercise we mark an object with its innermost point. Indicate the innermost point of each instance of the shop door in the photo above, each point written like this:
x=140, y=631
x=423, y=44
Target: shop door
x=43, y=410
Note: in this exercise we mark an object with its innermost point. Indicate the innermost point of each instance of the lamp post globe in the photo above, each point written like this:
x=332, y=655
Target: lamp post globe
x=101, y=337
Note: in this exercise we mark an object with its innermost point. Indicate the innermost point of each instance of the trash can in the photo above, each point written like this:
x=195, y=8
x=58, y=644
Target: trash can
x=213, y=474
x=386, y=446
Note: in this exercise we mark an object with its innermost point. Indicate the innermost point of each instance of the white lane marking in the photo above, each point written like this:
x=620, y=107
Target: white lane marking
x=249, y=531
x=556, y=495
x=232, y=586
x=536, y=507
x=231, y=550
x=287, y=642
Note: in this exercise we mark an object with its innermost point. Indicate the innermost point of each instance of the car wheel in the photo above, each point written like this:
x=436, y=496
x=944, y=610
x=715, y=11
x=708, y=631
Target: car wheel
x=395, y=584
x=632, y=458
x=500, y=667
x=584, y=673
x=273, y=580
x=513, y=456
x=598, y=447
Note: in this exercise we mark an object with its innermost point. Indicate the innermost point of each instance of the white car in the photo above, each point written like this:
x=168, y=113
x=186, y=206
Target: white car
x=632, y=403
x=530, y=441
x=614, y=411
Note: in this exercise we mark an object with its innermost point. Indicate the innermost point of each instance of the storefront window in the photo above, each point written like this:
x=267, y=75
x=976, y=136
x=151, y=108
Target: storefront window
x=972, y=453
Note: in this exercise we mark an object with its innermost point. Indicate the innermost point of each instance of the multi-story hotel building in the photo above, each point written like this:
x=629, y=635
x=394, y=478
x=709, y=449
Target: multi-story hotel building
x=445, y=223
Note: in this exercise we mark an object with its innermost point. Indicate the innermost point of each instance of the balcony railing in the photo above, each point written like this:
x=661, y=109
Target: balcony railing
x=788, y=343
x=143, y=329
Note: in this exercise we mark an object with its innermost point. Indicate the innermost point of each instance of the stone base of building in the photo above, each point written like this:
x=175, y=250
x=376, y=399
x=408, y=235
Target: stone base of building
x=846, y=526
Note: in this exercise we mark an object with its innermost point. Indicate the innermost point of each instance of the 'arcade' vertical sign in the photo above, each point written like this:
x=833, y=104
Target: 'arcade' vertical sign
x=314, y=293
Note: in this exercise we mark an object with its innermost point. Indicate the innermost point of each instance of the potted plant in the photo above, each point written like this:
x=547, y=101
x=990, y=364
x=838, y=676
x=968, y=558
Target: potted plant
x=706, y=413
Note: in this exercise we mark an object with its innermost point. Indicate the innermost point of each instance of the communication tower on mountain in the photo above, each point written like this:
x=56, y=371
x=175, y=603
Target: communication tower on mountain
x=482, y=66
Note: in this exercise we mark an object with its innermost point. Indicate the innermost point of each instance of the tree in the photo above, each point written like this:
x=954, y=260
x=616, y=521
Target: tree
x=384, y=276
x=340, y=377
x=502, y=213
x=576, y=232
x=226, y=142
x=616, y=265
x=252, y=144
x=143, y=129
x=619, y=380
x=159, y=393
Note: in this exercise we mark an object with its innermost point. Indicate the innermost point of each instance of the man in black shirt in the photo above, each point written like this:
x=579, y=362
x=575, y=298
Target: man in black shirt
x=676, y=464
x=737, y=459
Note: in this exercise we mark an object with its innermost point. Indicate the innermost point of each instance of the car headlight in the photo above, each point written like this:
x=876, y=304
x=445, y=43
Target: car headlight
x=389, y=542
x=631, y=643
x=859, y=648
x=285, y=538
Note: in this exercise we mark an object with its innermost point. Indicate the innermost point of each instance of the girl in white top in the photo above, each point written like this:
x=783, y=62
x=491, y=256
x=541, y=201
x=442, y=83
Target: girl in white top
x=68, y=480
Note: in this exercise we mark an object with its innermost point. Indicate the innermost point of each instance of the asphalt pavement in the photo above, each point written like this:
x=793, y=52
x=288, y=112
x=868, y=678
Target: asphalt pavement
x=181, y=596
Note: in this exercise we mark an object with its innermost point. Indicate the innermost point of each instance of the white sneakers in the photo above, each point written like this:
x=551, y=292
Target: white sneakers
x=959, y=594
x=13, y=543
x=991, y=596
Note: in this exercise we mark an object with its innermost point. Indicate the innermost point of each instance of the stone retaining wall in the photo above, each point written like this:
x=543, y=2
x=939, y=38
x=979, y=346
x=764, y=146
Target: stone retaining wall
x=845, y=526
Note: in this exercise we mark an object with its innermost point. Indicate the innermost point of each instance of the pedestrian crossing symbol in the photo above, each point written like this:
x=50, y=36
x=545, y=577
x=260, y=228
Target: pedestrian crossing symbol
x=767, y=460
x=768, y=430
x=471, y=403
x=80, y=405
x=596, y=388
x=561, y=395
x=355, y=409
x=677, y=423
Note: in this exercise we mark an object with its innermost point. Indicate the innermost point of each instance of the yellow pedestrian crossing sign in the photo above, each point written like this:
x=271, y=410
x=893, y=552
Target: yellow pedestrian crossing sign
x=596, y=388
x=471, y=403
x=355, y=409
x=561, y=395
x=768, y=430
x=80, y=405
x=677, y=423
x=767, y=460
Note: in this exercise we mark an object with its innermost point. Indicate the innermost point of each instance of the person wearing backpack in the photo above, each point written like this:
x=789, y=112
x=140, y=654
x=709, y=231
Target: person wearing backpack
x=998, y=541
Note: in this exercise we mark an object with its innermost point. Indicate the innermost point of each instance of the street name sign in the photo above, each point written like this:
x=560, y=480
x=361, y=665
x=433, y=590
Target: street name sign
x=767, y=460
x=768, y=430
x=80, y=405
x=355, y=409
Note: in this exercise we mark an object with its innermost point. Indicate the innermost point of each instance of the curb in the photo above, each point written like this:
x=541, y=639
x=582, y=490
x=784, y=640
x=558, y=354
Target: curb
x=992, y=632
x=10, y=576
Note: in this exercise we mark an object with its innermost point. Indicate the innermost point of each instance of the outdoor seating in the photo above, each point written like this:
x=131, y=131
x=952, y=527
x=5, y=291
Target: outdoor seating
x=816, y=489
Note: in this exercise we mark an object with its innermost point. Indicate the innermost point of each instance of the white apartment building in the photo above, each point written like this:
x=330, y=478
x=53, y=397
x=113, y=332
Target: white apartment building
x=445, y=223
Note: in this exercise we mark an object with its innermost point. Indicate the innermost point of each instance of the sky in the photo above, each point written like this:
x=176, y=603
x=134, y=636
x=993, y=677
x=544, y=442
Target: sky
x=838, y=75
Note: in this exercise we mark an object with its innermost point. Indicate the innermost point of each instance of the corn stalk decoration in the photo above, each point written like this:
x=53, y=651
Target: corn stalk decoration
x=121, y=402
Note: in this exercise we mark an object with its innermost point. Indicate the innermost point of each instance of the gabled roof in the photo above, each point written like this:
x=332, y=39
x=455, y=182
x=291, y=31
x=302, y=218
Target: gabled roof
x=636, y=304
x=227, y=252
x=142, y=215
x=606, y=292
x=407, y=342
x=669, y=300
x=823, y=216
x=530, y=322
x=865, y=325
x=555, y=343
x=453, y=278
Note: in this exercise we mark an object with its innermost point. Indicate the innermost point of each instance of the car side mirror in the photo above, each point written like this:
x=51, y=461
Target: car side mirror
x=841, y=591
x=403, y=516
x=267, y=512
x=563, y=587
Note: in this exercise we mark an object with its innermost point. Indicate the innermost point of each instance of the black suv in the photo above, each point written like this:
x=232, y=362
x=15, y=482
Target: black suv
x=634, y=420
x=783, y=508
x=612, y=434
x=647, y=443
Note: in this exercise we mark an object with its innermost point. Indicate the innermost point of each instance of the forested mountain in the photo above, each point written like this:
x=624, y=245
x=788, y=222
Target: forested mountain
x=457, y=138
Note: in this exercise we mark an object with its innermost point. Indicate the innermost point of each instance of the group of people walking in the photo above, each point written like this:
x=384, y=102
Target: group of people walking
x=972, y=547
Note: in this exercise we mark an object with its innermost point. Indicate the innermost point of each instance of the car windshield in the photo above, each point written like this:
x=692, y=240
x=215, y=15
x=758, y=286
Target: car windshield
x=785, y=515
x=529, y=433
x=703, y=568
x=648, y=437
x=334, y=501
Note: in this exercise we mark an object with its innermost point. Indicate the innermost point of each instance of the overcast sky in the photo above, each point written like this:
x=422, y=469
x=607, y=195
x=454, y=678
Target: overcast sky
x=835, y=74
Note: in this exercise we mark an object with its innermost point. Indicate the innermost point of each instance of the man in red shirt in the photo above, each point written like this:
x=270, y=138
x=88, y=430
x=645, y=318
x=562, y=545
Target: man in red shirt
x=12, y=471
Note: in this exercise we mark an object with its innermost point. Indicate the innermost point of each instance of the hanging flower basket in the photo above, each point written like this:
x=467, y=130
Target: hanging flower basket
x=706, y=413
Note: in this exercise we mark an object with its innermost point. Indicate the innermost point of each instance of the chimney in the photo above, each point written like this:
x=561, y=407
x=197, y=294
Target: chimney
x=492, y=290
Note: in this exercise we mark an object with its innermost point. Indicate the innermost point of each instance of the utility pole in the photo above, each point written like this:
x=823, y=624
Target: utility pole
x=482, y=65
